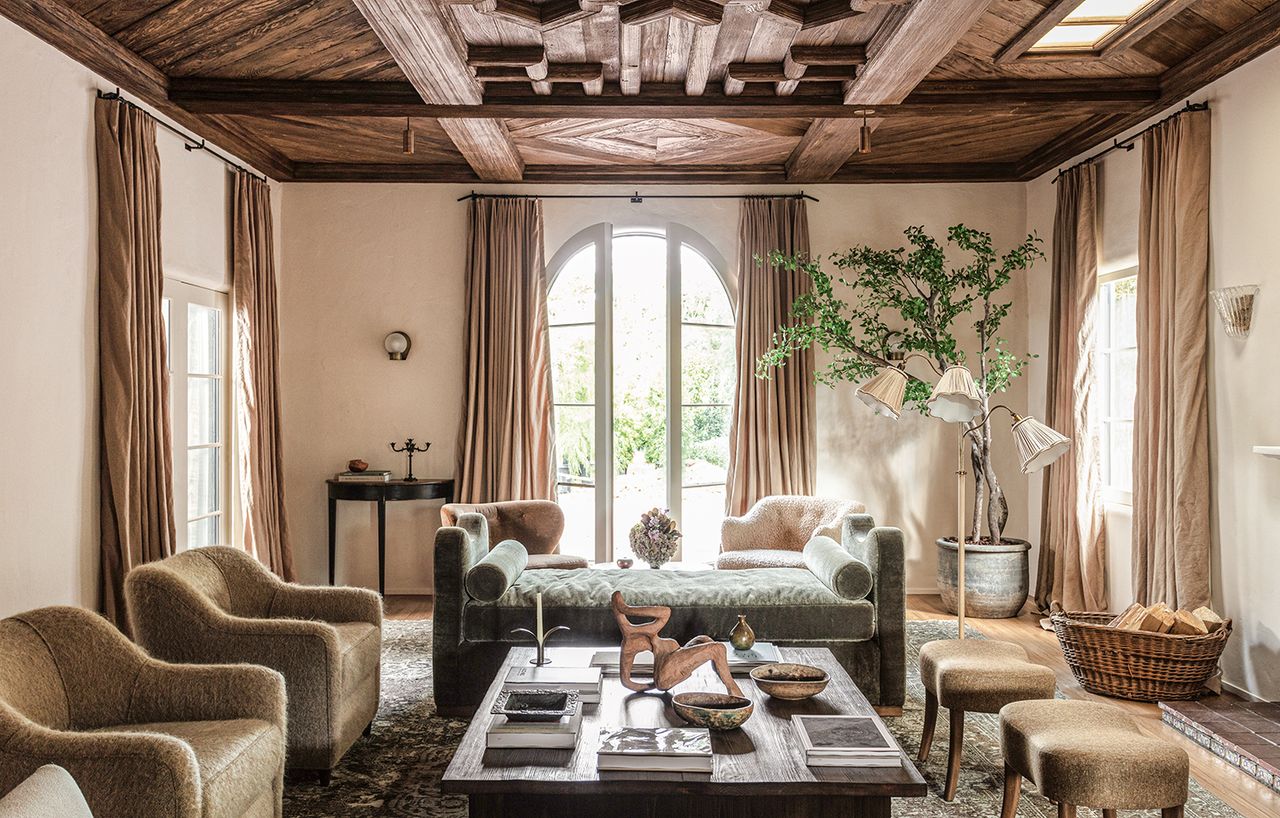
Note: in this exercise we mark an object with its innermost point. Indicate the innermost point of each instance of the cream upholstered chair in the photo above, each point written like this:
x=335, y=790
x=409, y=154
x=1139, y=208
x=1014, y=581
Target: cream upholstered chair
x=141, y=737
x=535, y=524
x=774, y=532
x=50, y=792
x=218, y=604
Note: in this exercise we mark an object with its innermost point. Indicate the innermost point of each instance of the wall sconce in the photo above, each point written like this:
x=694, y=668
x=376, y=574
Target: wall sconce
x=1235, y=305
x=397, y=345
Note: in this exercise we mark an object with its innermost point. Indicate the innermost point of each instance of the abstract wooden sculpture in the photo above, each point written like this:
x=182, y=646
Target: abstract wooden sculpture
x=672, y=662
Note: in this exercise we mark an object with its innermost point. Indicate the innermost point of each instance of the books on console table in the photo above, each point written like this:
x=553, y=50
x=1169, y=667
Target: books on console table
x=539, y=735
x=740, y=661
x=846, y=741
x=661, y=749
x=370, y=476
x=586, y=680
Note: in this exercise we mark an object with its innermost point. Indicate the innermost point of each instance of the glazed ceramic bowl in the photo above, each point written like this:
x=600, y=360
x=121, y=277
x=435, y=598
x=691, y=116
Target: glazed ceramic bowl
x=716, y=711
x=792, y=682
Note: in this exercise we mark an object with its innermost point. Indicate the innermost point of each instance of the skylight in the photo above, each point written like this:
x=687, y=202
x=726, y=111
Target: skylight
x=1089, y=23
x=1117, y=11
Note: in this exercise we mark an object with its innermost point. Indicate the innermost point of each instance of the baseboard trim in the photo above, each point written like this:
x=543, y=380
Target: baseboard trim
x=416, y=591
x=1241, y=692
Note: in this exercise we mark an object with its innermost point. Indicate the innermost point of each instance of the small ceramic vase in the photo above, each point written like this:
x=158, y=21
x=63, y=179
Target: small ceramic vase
x=742, y=637
x=625, y=562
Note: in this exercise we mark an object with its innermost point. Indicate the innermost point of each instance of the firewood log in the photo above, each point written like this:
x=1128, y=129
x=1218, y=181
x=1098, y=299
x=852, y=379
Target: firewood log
x=1130, y=618
x=1159, y=618
x=1211, y=620
x=1188, y=624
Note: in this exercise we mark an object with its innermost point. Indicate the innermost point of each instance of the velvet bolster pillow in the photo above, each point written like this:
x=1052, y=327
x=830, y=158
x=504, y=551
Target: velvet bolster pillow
x=839, y=570
x=497, y=571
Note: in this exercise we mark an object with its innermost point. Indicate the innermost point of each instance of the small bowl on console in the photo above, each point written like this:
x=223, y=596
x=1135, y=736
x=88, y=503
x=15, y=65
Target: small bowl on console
x=715, y=711
x=789, y=681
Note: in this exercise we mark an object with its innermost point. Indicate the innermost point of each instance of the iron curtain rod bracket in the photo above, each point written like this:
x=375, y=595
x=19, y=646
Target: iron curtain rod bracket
x=1130, y=142
x=189, y=142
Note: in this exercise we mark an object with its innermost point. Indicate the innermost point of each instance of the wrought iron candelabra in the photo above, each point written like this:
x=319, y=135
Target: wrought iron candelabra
x=412, y=448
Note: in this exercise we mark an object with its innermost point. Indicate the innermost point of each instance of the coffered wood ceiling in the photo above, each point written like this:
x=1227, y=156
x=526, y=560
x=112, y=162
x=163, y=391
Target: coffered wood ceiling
x=644, y=90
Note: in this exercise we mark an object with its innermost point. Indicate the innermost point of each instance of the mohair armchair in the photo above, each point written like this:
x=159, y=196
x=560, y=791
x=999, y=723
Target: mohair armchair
x=774, y=531
x=535, y=524
x=143, y=738
x=218, y=604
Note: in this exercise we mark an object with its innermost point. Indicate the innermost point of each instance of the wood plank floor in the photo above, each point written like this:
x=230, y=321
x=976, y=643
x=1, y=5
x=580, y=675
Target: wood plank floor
x=1242, y=793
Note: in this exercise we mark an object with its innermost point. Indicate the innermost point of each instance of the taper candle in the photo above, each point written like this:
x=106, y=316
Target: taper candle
x=539, y=602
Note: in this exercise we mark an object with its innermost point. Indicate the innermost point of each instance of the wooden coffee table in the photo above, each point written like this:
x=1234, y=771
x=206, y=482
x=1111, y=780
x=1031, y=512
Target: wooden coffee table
x=759, y=769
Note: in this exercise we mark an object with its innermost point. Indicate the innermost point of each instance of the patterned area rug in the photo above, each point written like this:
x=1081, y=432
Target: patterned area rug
x=397, y=771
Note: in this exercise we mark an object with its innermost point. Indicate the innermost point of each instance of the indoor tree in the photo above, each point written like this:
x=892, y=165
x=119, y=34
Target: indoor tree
x=882, y=305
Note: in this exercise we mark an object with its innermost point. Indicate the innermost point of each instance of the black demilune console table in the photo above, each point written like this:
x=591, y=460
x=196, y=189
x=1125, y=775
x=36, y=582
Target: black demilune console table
x=380, y=493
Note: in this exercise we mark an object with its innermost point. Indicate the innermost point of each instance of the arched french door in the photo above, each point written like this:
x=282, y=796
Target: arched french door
x=643, y=376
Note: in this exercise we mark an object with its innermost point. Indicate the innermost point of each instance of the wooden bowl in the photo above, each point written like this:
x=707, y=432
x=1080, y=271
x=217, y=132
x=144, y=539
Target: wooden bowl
x=716, y=711
x=792, y=682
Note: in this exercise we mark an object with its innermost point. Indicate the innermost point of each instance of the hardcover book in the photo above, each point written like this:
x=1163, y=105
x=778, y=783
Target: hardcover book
x=541, y=735
x=666, y=749
x=585, y=680
x=846, y=741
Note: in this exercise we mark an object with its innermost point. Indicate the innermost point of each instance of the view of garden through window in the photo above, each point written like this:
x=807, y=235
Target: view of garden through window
x=642, y=410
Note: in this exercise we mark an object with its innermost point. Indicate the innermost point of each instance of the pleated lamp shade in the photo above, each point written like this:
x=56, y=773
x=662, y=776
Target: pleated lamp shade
x=884, y=392
x=1038, y=445
x=955, y=399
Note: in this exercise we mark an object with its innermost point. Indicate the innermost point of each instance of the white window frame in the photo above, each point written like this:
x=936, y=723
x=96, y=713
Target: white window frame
x=178, y=295
x=600, y=236
x=1109, y=415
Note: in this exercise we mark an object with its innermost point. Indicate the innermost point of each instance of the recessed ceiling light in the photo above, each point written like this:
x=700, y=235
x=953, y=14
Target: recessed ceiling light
x=1074, y=36
x=1117, y=10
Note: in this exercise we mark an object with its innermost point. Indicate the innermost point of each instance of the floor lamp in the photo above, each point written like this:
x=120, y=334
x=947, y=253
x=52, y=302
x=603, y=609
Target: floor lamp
x=956, y=400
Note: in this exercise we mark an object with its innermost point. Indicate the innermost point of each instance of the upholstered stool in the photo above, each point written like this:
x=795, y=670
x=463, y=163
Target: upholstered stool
x=1082, y=754
x=974, y=675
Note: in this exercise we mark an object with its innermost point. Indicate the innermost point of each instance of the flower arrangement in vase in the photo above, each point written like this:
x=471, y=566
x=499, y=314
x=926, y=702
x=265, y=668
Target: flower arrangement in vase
x=654, y=539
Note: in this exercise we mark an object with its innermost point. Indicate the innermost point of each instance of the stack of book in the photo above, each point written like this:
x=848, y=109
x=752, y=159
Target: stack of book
x=846, y=741
x=740, y=661
x=367, y=476
x=504, y=734
x=660, y=749
x=586, y=680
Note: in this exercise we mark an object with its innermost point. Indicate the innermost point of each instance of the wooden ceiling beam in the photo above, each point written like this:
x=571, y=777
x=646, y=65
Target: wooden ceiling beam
x=398, y=99
x=654, y=174
x=502, y=56
x=556, y=73
x=698, y=12
x=430, y=54
x=777, y=72
x=73, y=35
x=910, y=43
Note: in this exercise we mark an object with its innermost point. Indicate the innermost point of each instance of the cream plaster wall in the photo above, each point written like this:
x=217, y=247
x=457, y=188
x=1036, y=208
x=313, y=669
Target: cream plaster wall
x=364, y=259
x=48, y=311
x=1244, y=198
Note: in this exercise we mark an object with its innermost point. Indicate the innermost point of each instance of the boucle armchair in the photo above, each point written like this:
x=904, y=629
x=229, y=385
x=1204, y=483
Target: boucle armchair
x=218, y=604
x=535, y=524
x=142, y=738
x=50, y=792
x=774, y=532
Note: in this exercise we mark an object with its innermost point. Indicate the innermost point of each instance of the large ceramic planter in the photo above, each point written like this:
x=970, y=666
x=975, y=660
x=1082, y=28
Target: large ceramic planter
x=996, y=578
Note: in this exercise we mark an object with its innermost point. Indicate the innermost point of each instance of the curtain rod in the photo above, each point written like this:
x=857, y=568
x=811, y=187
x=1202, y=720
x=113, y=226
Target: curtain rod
x=635, y=198
x=189, y=142
x=1128, y=144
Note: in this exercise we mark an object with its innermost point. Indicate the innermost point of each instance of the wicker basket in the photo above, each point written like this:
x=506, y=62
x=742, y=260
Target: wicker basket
x=1137, y=665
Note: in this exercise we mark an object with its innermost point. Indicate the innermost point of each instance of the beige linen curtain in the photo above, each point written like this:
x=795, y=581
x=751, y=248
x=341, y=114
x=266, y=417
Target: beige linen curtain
x=1171, y=415
x=771, y=435
x=1072, y=570
x=136, y=482
x=506, y=448
x=258, y=410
